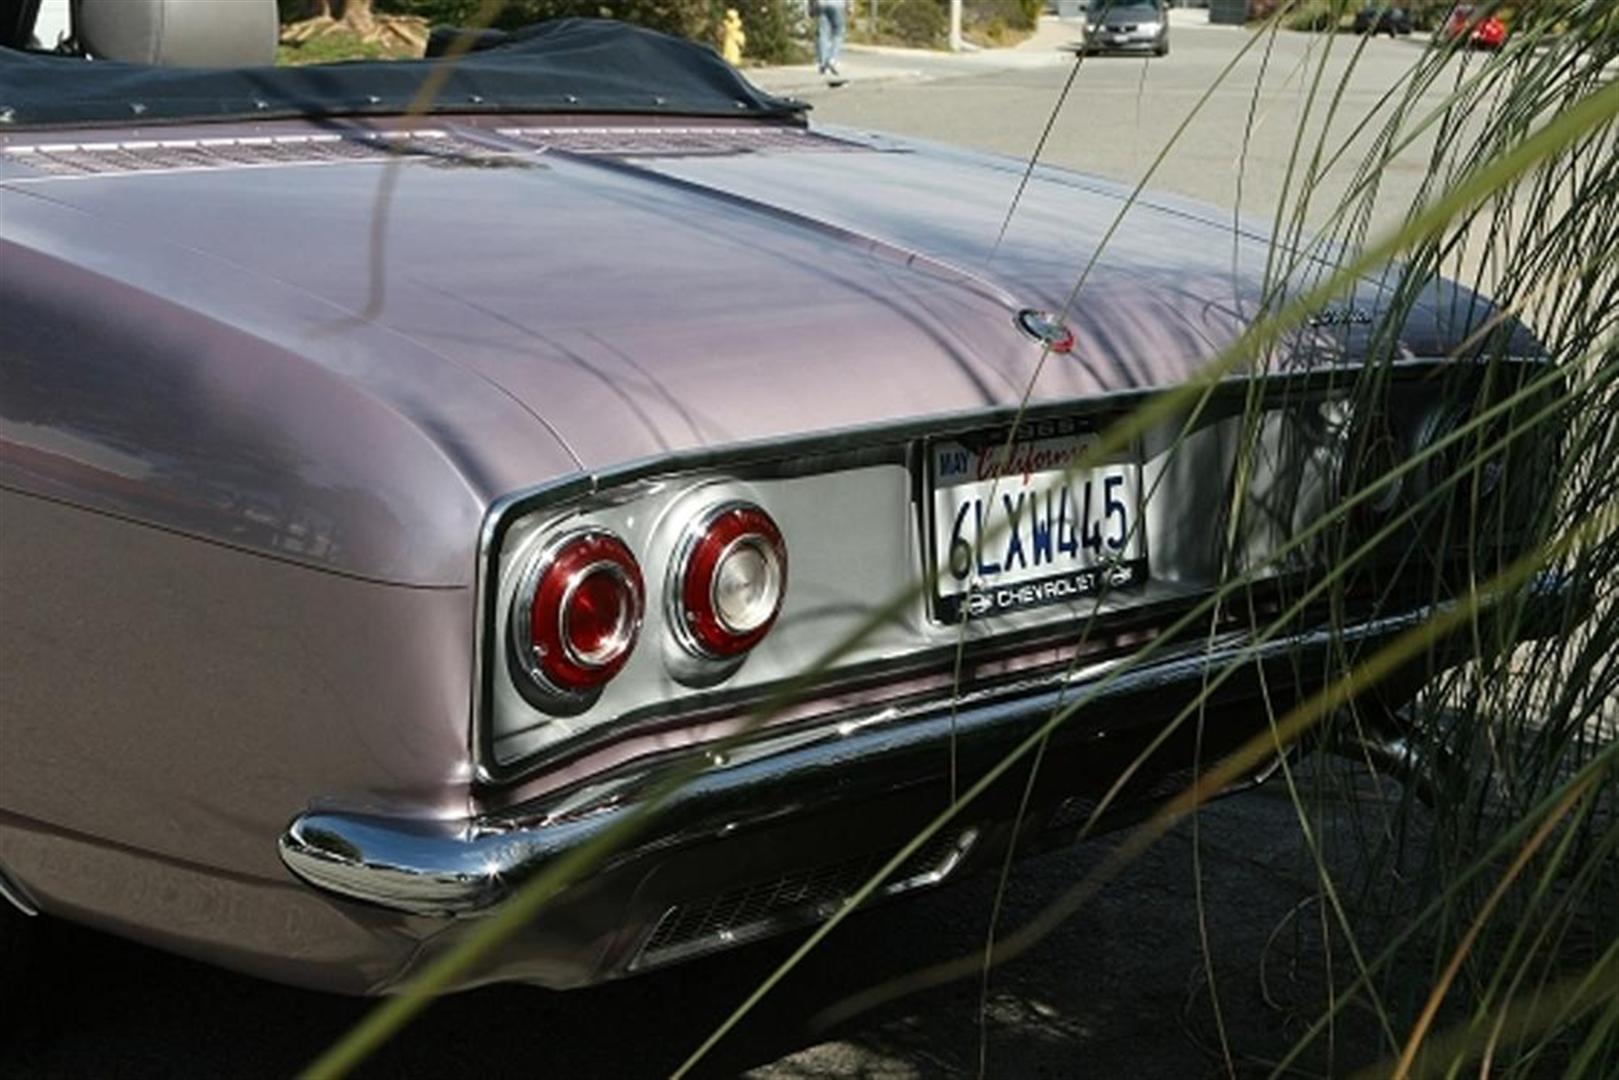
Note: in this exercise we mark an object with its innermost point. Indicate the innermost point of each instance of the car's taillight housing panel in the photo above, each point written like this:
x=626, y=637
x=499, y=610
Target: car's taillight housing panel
x=662, y=603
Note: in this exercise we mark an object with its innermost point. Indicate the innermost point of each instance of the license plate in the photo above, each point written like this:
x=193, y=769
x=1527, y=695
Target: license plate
x=1014, y=525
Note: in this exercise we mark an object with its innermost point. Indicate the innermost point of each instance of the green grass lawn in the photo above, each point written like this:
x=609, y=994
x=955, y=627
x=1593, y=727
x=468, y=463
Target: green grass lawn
x=331, y=47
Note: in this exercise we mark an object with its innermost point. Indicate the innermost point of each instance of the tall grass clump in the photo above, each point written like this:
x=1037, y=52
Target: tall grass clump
x=1470, y=906
x=1492, y=883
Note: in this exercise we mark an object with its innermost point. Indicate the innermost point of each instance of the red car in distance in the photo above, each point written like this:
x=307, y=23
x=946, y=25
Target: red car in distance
x=1477, y=29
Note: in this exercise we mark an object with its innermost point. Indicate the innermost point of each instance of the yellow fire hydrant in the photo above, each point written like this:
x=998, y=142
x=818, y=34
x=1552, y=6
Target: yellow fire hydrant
x=732, y=38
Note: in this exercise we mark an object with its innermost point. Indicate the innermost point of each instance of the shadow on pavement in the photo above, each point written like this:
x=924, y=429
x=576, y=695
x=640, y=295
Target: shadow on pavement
x=1122, y=989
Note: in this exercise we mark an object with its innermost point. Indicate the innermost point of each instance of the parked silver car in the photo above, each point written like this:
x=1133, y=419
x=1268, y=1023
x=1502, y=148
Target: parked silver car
x=1127, y=26
x=389, y=505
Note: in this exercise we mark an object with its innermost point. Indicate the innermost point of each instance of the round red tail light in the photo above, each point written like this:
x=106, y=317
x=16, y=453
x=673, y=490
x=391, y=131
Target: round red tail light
x=579, y=611
x=729, y=581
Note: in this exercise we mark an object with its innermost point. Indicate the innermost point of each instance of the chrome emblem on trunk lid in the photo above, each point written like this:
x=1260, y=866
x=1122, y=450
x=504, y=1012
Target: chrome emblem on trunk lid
x=1047, y=329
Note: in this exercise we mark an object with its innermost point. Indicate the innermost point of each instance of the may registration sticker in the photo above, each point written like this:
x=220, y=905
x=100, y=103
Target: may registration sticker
x=1014, y=524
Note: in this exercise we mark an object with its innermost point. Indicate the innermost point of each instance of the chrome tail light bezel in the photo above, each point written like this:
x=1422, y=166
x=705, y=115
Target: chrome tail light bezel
x=692, y=606
x=563, y=677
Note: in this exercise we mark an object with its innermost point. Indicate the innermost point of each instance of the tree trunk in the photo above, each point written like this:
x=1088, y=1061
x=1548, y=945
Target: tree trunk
x=359, y=17
x=396, y=34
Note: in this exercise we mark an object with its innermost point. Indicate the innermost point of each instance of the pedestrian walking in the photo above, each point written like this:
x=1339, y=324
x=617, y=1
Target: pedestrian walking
x=832, y=21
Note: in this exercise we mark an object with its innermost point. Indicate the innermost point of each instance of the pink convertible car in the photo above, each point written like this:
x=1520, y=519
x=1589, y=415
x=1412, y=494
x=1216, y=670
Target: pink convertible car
x=390, y=504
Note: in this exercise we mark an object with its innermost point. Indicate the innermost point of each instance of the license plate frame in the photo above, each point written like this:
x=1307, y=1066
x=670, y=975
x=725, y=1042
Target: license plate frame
x=1073, y=559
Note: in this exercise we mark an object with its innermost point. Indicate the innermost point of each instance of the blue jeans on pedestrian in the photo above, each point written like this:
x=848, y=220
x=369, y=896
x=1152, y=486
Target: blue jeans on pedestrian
x=834, y=20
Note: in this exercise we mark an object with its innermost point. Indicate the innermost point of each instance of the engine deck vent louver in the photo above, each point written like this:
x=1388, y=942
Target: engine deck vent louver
x=165, y=155
x=621, y=141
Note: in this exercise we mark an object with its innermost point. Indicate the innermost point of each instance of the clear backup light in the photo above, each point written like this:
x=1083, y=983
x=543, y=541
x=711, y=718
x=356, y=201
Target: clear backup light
x=728, y=581
x=1479, y=455
x=578, y=612
x=1366, y=450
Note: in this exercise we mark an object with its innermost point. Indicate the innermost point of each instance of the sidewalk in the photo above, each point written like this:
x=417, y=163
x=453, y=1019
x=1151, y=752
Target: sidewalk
x=1052, y=44
x=887, y=63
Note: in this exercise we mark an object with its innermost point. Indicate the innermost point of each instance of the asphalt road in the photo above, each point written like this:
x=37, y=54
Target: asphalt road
x=1121, y=989
x=1247, y=109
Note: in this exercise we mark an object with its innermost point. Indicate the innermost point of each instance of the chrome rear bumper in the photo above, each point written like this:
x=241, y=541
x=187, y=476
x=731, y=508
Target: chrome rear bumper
x=777, y=813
